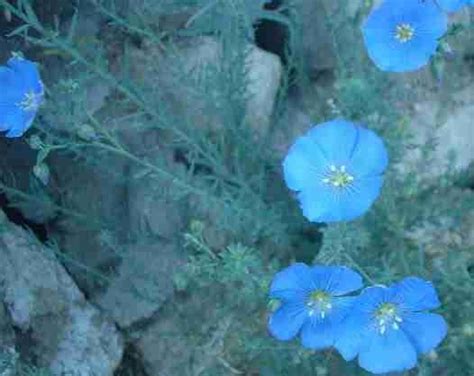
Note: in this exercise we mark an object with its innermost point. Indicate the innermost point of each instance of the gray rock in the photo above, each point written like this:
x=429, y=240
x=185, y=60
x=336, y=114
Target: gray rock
x=450, y=127
x=178, y=333
x=68, y=335
x=97, y=195
x=316, y=36
x=8, y=354
x=143, y=283
x=449, y=230
x=7, y=335
x=152, y=208
x=144, y=271
x=124, y=203
x=194, y=66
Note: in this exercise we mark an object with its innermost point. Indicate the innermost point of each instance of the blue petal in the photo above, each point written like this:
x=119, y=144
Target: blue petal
x=15, y=120
x=416, y=294
x=291, y=283
x=331, y=204
x=337, y=280
x=285, y=323
x=452, y=5
x=20, y=128
x=370, y=156
x=364, y=193
x=27, y=73
x=391, y=352
x=429, y=24
x=319, y=333
x=12, y=90
x=372, y=297
x=337, y=140
x=425, y=330
x=357, y=325
x=320, y=204
x=304, y=164
x=351, y=332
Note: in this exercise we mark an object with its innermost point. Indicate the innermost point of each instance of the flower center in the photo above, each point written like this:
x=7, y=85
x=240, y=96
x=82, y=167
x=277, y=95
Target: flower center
x=319, y=302
x=338, y=177
x=387, y=316
x=31, y=101
x=404, y=32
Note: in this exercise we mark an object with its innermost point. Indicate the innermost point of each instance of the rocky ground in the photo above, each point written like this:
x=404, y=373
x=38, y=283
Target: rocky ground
x=55, y=315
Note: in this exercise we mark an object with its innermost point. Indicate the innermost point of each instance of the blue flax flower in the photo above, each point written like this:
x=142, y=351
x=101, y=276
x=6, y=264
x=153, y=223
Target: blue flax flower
x=402, y=35
x=20, y=96
x=389, y=326
x=336, y=168
x=311, y=302
x=454, y=5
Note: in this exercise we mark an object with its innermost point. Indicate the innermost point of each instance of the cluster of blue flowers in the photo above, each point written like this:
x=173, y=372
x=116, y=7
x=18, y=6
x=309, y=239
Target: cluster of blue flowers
x=385, y=327
x=21, y=94
x=402, y=35
x=336, y=171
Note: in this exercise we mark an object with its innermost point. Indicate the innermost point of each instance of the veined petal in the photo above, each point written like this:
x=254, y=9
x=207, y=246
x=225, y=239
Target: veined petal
x=337, y=280
x=15, y=120
x=416, y=294
x=365, y=191
x=27, y=73
x=425, y=330
x=12, y=91
x=319, y=204
x=452, y=5
x=320, y=332
x=21, y=127
x=390, y=352
x=304, y=164
x=351, y=332
x=337, y=139
x=333, y=204
x=370, y=157
x=293, y=282
x=285, y=323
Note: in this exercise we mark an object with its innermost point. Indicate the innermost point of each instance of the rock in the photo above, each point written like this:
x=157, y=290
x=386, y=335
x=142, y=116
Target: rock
x=9, y=361
x=152, y=208
x=177, y=334
x=316, y=36
x=7, y=335
x=264, y=75
x=143, y=280
x=97, y=195
x=199, y=60
x=284, y=136
x=447, y=229
x=450, y=126
x=67, y=334
x=143, y=283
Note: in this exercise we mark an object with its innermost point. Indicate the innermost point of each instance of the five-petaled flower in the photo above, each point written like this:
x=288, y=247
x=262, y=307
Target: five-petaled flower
x=336, y=168
x=20, y=97
x=311, y=302
x=389, y=326
x=402, y=35
x=454, y=5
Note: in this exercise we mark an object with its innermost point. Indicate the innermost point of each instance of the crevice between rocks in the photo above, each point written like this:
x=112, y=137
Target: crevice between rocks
x=272, y=36
x=16, y=216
